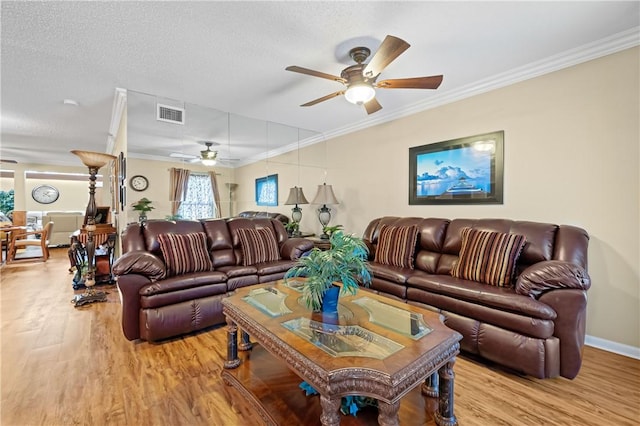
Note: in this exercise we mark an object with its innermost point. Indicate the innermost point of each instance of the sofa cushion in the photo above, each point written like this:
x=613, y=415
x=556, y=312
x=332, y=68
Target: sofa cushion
x=488, y=257
x=258, y=245
x=499, y=298
x=396, y=246
x=185, y=253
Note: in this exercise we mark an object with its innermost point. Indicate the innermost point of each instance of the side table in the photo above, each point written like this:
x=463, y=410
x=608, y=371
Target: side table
x=320, y=243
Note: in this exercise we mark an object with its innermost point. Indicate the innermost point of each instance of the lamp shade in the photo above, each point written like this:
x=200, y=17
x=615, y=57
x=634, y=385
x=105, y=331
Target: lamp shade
x=93, y=159
x=296, y=196
x=325, y=195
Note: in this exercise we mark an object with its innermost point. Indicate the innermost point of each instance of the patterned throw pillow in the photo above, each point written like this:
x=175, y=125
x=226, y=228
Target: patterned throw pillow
x=488, y=257
x=258, y=245
x=185, y=253
x=396, y=245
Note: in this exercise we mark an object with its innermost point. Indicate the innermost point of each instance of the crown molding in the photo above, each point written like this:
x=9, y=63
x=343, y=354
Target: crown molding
x=603, y=47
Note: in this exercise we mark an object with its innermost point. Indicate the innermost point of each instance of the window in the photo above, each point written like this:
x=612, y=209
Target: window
x=198, y=202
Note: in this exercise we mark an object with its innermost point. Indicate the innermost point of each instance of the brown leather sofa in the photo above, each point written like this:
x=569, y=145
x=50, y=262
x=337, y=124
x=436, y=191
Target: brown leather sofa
x=265, y=215
x=536, y=327
x=157, y=306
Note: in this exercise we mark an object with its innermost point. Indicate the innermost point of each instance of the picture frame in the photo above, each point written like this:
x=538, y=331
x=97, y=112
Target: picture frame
x=122, y=180
x=468, y=170
x=267, y=191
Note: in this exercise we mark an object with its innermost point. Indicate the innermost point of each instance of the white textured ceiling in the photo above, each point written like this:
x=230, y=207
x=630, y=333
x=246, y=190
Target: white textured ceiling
x=231, y=56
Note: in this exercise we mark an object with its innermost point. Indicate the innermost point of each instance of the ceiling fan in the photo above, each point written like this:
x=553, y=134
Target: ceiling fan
x=208, y=157
x=360, y=79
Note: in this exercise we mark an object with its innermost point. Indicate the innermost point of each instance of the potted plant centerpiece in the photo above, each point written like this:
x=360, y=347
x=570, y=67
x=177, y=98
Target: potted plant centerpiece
x=142, y=206
x=345, y=262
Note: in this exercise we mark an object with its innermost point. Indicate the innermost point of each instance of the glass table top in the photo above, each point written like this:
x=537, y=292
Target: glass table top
x=395, y=319
x=269, y=300
x=343, y=340
x=339, y=334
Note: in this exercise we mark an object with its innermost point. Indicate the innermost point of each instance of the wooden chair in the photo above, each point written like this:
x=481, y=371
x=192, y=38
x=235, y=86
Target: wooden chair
x=22, y=240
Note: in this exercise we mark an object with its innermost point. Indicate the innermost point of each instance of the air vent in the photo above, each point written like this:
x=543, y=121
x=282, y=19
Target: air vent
x=170, y=114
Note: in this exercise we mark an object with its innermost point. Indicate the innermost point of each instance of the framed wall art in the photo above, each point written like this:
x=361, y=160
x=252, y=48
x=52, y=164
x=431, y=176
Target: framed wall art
x=267, y=191
x=460, y=171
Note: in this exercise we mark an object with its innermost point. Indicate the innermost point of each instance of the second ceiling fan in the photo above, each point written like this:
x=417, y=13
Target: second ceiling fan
x=360, y=79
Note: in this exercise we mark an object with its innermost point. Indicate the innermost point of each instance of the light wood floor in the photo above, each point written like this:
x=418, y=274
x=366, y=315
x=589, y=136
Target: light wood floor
x=72, y=366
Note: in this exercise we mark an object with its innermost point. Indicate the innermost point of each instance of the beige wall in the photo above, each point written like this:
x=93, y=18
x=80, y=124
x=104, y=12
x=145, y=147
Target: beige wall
x=571, y=157
x=74, y=194
x=157, y=172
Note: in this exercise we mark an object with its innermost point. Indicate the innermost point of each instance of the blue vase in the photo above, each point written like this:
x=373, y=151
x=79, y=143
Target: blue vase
x=330, y=299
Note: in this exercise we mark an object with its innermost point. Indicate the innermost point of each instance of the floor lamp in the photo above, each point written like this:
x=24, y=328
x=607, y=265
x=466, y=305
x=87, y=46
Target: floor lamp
x=324, y=196
x=93, y=160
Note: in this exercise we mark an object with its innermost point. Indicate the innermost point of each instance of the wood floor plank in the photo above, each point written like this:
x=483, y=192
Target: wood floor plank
x=62, y=365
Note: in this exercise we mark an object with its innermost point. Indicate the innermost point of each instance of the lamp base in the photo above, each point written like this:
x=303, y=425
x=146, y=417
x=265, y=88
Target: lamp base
x=89, y=297
x=324, y=236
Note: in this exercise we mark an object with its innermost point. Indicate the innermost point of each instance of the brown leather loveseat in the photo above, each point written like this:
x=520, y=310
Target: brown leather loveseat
x=534, y=324
x=173, y=275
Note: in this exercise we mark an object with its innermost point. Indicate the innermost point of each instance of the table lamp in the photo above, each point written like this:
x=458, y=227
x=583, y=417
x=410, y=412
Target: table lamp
x=324, y=196
x=296, y=196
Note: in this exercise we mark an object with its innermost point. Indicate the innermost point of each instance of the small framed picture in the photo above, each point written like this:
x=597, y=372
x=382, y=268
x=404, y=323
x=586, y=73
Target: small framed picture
x=267, y=191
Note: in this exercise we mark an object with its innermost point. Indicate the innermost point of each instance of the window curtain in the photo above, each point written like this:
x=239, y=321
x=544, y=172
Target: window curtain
x=179, y=179
x=216, y=193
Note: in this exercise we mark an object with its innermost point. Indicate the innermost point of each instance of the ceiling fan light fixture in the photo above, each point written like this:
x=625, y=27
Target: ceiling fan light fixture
x=208, y=162
x=360, y=93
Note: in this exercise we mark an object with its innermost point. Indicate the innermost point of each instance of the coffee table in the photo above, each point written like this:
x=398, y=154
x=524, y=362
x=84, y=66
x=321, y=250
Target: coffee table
x=375, y=346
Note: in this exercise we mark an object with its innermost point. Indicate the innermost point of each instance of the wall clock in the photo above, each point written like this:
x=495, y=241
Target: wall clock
x=139, y=183
x=45, y=194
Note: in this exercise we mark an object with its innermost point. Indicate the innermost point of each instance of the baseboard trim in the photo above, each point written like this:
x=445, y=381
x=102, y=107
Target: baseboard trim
x=608, y=345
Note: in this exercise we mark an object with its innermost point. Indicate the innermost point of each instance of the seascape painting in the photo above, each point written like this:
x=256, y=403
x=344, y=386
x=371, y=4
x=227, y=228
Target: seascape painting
x=462, y=171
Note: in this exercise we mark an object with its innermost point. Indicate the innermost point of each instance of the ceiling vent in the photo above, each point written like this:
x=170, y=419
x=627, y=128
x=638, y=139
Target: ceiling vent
x=170, y=114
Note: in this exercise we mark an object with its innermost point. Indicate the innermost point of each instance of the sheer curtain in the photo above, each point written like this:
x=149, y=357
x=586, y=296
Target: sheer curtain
x=179, y=180
x=216, y=194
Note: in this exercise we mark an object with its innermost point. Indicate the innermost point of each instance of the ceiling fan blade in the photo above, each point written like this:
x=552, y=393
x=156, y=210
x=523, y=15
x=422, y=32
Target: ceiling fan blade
x=313, y=73
x=432, y=82
x=2, y=160
x=181, y=155
x=390, y=49
x=372, y=106
x=324, y=98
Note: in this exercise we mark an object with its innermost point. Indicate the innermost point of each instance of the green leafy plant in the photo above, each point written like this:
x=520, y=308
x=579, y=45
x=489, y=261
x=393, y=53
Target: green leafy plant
x=143, y=205
x=329, y=230
x=345, y=262
x=6, y=201
x=292, y=228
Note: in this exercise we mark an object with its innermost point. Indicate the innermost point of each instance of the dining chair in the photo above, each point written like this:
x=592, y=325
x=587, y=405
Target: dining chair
x=22, y=241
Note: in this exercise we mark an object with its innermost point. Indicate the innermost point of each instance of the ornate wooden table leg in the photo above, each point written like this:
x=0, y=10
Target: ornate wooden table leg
x=245, y=342
x=330, y=411
x=388, y=413
x=232, y=345
x=430, y=386
x=444, y=416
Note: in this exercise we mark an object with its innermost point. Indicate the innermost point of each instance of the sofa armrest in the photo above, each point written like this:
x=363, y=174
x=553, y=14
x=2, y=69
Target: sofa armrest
x=569, y=326
x=294, y=248
x=129, y=287
x=552, y=275
x=142, y=263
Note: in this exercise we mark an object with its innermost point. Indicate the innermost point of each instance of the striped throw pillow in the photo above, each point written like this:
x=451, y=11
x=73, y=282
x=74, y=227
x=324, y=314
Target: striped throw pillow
x=258, y=245
x=488, y=257
x=185, y=253
x=396, y=245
